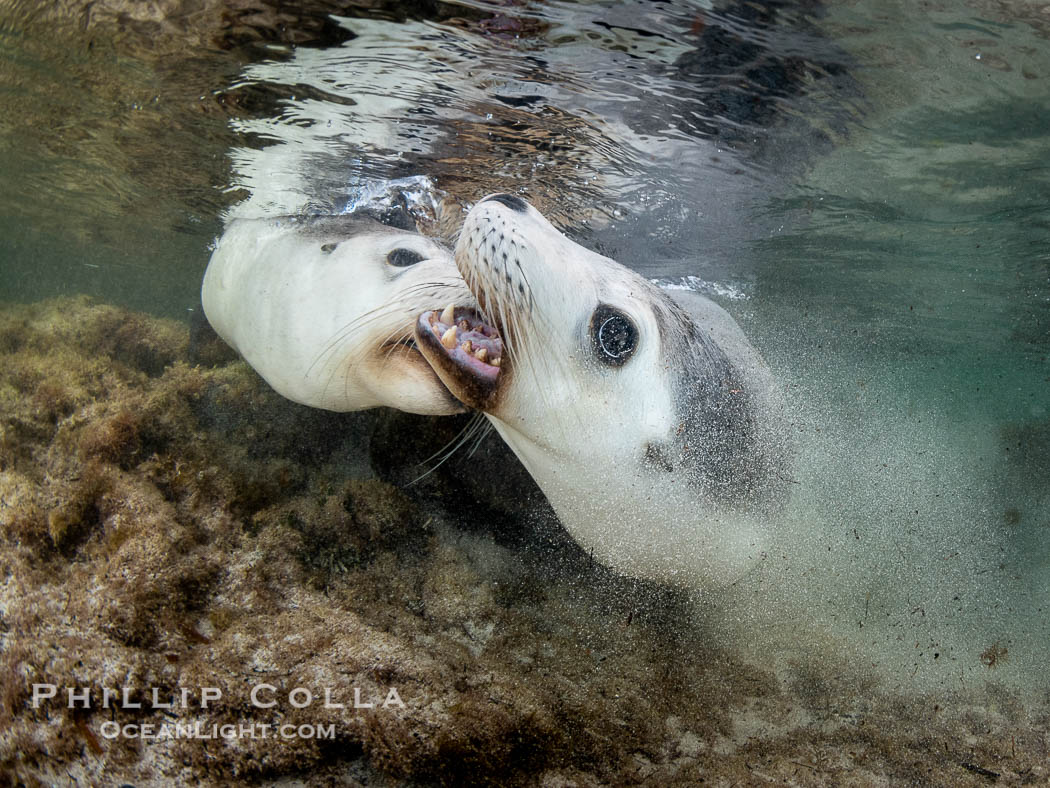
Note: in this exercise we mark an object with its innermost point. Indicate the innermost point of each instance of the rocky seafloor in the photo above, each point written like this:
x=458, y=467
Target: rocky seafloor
x=170, y=527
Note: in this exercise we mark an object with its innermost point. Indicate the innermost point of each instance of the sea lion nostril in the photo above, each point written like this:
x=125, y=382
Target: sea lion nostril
x=512, y=202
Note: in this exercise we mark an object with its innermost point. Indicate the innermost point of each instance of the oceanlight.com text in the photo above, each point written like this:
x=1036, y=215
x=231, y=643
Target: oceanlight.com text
x=197, y=730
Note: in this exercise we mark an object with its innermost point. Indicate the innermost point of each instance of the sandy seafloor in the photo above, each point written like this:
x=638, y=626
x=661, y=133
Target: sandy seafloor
x=169, y=523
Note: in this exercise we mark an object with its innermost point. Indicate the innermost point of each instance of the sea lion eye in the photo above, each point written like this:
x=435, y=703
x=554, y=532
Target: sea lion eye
x=613, y=335
x=402, y=258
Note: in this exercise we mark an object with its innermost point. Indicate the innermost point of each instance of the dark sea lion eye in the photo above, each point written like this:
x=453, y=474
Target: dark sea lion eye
x=402, y=258
x=613, y=335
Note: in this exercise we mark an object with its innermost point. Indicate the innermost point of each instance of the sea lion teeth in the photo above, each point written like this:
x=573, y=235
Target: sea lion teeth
x=495, y=362
x=449, y=314
x=467, y=347
x=482, y=354
x=448, y=339
x=464, y=325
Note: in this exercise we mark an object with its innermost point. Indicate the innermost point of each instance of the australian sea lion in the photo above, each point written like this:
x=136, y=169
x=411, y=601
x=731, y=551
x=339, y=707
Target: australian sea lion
x=645, y=416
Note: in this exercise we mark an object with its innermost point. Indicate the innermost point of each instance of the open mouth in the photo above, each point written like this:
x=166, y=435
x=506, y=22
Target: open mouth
x=465, y=351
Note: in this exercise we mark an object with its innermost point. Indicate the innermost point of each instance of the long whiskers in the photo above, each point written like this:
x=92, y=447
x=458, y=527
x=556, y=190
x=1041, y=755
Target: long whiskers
x=475, y=431
x=412, y=301
x=427, y=293
x=485, y=430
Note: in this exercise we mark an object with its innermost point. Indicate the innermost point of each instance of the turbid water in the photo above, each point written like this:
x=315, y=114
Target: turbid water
x=864, y=185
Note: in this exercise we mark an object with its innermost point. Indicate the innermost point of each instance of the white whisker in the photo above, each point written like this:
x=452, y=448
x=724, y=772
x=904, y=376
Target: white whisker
x=476, y=424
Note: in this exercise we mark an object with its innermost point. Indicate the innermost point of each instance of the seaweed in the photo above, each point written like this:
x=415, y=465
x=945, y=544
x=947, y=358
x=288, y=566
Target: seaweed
x=166, y=527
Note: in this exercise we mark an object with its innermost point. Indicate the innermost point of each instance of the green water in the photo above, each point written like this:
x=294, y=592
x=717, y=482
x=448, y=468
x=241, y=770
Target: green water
x=908, y=300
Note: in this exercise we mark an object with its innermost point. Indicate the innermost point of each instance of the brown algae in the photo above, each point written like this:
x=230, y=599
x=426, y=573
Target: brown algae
x=167, y=527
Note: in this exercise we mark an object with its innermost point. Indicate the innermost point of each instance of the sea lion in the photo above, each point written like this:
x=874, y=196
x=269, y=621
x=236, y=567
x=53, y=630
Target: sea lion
x=323, y=309
x=649, y=421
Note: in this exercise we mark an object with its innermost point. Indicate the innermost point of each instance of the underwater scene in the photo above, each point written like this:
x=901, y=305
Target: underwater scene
x=278, y=536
